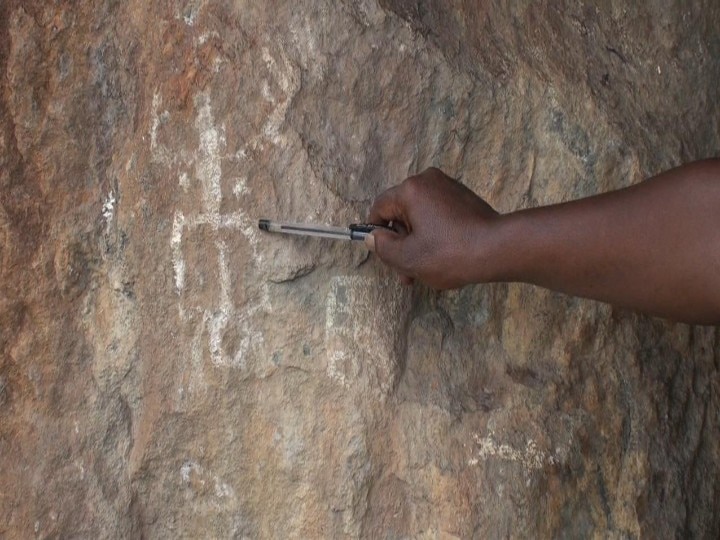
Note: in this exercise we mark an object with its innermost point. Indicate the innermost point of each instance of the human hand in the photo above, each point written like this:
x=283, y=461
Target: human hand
x=444, y=231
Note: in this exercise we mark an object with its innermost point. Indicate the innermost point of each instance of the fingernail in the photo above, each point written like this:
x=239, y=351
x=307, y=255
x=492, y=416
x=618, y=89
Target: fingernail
x=370, y=242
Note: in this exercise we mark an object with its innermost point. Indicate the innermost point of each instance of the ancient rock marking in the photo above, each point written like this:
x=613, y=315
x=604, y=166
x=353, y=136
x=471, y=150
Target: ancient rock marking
x=192, y=472
x=361, y=331
x=191, y=11
x=215, y=319
x=289, y=82
x=208, y=173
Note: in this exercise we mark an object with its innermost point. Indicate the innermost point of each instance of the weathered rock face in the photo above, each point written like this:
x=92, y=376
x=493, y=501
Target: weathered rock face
x=169, y=371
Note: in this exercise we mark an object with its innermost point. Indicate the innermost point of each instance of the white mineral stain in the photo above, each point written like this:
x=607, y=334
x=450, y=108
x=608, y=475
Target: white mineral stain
x=187, y=468
x=154, y=121
x=530, y=457
x=202, y=39
x=130, y=163
x=159, y=153
x=197, y=382
x=222, y=489
x=334, y=370
x=251, y=234
x=216, y=63
x=289, y=81
x=240, y=187
x=108, y=209
x=208, y=167
x=175, y=244
x=191, y=11
x=220, y=318
x=81, y=469
x=265, y=91
x=184, y=181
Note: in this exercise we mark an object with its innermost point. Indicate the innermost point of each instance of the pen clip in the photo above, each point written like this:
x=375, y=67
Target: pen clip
x=359, y=231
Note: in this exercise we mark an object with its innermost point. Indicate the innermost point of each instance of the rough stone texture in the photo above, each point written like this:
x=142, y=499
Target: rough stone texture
x=169, y=372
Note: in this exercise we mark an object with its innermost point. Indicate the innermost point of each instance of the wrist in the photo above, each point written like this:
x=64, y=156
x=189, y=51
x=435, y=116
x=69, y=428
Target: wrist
x=505, y=248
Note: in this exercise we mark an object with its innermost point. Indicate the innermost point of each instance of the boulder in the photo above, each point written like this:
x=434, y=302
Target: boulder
x=167, y=370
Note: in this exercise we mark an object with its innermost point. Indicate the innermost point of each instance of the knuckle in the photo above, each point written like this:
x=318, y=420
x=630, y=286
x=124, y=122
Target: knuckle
x=434, y=174
x=411, y=187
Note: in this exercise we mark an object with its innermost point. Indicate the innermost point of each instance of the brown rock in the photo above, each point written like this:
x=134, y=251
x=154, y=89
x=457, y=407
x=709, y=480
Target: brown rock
x=167, y=370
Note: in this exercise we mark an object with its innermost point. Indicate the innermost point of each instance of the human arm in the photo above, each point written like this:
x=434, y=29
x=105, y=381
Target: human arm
x=653, y=247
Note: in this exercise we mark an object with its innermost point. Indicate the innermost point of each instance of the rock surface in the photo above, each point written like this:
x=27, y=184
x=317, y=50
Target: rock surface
x=167, y=371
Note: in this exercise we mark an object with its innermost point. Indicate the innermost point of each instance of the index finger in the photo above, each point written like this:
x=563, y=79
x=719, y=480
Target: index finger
x=388, y=206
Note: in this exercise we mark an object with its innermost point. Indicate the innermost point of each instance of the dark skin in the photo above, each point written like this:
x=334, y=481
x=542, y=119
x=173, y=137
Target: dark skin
x=653, y=247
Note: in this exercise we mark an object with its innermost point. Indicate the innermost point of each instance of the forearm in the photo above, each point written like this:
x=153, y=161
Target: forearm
x=653, y=247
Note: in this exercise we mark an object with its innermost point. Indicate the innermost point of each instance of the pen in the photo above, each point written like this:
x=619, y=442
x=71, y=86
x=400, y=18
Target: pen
x=355, y=231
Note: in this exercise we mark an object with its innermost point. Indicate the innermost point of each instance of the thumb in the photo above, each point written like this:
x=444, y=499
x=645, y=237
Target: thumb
x=390, y=247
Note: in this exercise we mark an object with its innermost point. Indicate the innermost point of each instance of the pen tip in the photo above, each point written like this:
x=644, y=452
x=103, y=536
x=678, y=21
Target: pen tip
x=264, y=224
